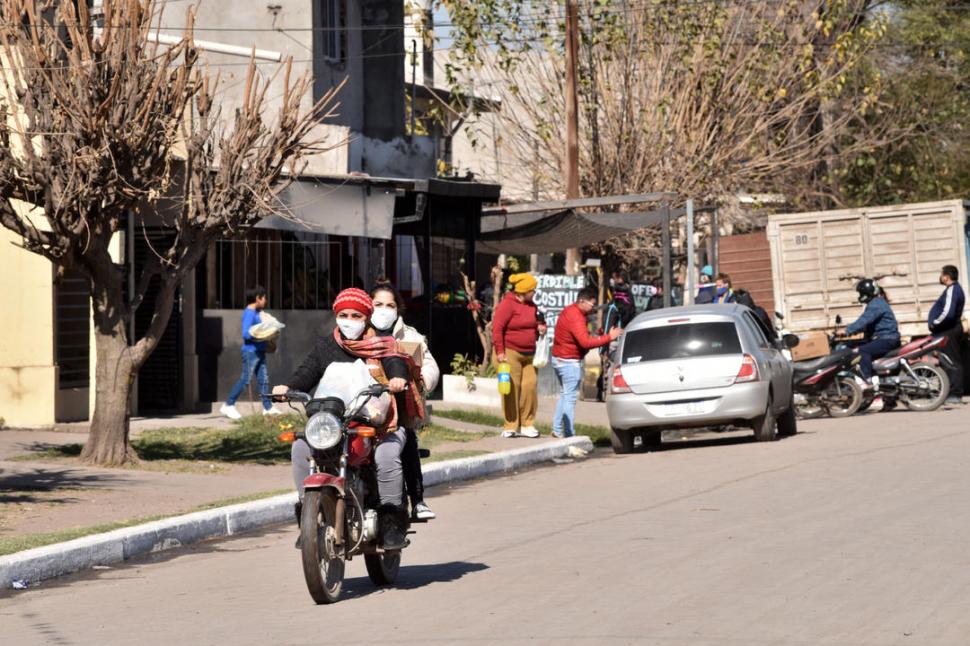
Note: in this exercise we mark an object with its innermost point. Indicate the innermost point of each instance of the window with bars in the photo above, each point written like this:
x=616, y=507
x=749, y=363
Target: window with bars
x=300, y=271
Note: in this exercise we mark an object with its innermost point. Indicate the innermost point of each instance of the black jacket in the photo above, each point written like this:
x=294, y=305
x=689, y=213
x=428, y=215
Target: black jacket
x=623, y=300
x=327, y=351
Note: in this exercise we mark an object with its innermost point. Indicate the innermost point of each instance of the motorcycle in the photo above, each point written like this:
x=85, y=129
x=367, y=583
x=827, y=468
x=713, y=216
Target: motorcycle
x=339, y=518
x=827, y=385
x=908, y=375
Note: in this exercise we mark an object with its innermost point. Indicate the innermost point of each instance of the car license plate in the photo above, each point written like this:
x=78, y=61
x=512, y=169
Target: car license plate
x=685, y=408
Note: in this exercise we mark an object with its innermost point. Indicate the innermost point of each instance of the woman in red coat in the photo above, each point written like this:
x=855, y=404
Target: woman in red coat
x=569, y=346
x=515, y=326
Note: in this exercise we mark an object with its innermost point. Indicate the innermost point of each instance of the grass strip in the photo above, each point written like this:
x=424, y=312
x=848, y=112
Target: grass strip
x=434, y=434
x=13, y=544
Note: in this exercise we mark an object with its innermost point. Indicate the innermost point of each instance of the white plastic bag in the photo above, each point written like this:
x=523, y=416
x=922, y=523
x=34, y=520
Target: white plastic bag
x=541, y=357
x=345, y=380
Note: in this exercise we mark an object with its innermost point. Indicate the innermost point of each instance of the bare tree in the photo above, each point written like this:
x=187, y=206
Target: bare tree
x=707, y=98
x=98, y=125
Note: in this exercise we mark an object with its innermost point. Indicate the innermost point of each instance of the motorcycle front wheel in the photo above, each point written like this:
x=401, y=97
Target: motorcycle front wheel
x=843, y=397
x=930, y=391
x=383, y=568
x=323, y=566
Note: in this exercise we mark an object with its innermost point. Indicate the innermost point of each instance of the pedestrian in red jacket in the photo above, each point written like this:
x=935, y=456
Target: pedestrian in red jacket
x=515, y=327
x=570, y=345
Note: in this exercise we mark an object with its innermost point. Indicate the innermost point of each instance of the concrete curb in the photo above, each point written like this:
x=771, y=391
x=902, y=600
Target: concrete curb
x=122, y=544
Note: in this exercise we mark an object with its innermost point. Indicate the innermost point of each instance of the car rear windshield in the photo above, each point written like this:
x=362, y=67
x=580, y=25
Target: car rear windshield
x=680, y=341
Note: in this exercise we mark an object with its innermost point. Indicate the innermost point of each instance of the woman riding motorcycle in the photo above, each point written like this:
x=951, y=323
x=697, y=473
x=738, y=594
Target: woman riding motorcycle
x=387, y=321
x=349, y=344
x=877, y=322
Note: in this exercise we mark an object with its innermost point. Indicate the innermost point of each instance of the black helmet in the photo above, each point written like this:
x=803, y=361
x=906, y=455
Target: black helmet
x=868, y=290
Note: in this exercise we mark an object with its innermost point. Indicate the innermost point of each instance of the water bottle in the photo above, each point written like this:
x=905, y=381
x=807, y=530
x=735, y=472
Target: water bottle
x=504, y=378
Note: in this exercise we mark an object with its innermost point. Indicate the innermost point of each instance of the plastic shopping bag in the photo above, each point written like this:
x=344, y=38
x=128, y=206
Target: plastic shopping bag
x=541, y=357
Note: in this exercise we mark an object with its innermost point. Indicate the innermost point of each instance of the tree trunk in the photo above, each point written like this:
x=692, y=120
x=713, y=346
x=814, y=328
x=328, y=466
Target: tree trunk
x=107, y=442
x=115, y=371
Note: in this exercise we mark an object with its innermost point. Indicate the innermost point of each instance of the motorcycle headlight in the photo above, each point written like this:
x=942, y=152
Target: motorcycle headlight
x=322, y=431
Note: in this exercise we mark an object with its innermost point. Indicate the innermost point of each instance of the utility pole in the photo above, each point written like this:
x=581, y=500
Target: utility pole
x=572, y=121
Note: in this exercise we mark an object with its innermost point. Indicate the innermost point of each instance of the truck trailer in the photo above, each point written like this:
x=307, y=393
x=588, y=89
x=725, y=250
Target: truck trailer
x=817, y=258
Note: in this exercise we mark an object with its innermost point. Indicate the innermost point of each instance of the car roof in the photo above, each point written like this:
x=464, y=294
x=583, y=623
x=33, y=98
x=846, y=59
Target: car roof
x=727, y=311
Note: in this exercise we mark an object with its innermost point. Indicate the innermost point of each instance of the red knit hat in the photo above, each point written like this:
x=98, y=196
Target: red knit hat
x=354, y=299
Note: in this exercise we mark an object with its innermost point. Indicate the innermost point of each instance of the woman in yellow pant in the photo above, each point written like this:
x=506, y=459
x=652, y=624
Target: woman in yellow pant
x=515, y=327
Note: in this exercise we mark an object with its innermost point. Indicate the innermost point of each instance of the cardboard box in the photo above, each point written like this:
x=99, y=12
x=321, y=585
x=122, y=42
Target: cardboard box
x=811, y=345
x=413, y=350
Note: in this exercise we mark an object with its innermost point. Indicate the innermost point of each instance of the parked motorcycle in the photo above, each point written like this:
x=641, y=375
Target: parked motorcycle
x=339, y=518
x=827, y=385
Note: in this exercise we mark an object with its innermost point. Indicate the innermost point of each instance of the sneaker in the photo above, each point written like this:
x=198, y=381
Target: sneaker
x=953, y=401
x=530, y=431
x=509, y=433
x=230, y=412
x=423, y=512
x=272, y=411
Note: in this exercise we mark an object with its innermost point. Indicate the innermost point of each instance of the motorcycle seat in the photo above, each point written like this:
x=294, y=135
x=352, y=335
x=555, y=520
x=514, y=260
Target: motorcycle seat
x=813, y=365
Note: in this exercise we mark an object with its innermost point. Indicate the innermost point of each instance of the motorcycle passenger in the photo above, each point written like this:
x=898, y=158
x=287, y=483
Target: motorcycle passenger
x=348, y=344
x=387, y=321
x=877, y=322
x=946, y=320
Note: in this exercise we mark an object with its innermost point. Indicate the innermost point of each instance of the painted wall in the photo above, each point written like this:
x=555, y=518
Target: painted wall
x=28, y=377
x=220, y=339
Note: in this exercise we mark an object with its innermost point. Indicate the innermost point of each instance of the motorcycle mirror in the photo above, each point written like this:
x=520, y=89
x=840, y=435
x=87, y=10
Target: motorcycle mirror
x=790, y=340
x=779, y=315
x=838, y=319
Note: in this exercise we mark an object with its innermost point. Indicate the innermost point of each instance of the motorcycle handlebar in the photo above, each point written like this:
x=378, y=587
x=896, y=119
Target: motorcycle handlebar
x=374, y=390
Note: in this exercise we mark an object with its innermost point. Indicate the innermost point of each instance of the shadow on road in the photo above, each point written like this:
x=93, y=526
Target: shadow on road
x=412, y=577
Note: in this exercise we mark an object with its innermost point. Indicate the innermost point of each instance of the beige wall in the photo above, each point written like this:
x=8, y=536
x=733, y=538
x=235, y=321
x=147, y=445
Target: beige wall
x=28, y=379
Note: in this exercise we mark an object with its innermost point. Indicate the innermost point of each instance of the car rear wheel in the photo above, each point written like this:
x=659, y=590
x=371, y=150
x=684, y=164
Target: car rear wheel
x=788, y=422
x=622, y=440
x=766, y=426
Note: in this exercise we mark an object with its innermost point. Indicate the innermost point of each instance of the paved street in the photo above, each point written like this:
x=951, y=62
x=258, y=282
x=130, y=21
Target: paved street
x=852, y=532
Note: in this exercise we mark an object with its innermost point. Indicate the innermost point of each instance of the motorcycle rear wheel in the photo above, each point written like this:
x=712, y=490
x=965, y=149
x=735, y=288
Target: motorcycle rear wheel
x=844, y=397
x=383, y=568
x=939, y=388
x=323, y=566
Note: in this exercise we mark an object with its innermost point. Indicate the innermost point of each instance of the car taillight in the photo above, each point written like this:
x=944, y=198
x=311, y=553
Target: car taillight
x=748, y=371
x=619, y=384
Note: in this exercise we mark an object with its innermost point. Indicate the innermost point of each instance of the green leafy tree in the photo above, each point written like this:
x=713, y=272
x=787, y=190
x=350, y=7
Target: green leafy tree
x=923, y=66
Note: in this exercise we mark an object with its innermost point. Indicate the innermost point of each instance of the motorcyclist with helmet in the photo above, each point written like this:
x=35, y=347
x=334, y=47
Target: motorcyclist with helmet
x=878, y=323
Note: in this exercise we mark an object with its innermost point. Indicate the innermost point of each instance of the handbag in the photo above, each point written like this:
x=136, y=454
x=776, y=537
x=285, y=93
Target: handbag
x=541, y=357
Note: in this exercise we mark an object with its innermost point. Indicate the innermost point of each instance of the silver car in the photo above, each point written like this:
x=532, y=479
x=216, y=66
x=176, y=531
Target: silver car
x=691, y=367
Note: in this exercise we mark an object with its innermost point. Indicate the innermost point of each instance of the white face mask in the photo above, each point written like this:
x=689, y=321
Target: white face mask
x=383, y=318
x=351, y=329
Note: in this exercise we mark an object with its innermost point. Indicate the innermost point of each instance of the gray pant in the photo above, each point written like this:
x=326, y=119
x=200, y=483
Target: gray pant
x=390, y=474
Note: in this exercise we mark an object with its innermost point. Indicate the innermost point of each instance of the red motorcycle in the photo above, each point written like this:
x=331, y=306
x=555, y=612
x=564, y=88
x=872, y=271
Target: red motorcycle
x=907, y=375
x=339, y=518
x=910, y=374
